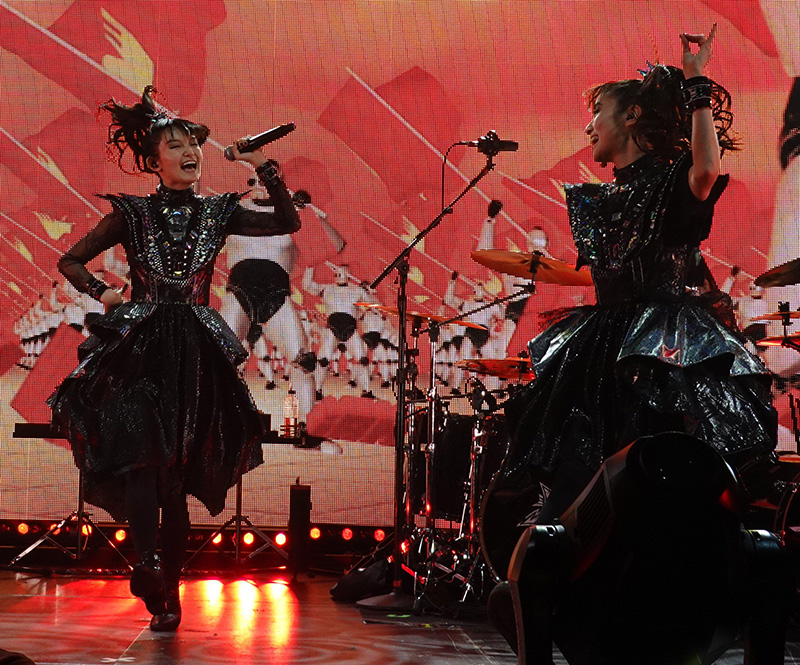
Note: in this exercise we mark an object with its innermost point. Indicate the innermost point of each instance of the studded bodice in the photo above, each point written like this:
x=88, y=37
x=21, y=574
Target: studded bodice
x=175, y=238
x=625, y=231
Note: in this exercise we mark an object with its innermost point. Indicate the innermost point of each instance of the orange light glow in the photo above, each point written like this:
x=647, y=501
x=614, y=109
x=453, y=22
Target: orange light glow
x=120, y=535
x=210, y=593
x=246, y=598
x=248, y=538
x=347, y=533
x=217, y=539
x=380, y=535
x=283, y=609
x=315, y=533
x=404, y=547
x=280, y=539
x=23, y=528
x=86, y=530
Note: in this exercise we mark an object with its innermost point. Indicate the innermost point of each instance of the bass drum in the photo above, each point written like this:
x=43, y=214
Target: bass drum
x=509, y=506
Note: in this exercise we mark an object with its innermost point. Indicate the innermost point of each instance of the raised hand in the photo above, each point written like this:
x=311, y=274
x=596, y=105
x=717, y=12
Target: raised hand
x=694, y=63
x=254, y=157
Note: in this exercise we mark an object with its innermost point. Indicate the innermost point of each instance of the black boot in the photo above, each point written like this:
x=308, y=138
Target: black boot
x=147, y=583
x=170, y=619
x=174, y=537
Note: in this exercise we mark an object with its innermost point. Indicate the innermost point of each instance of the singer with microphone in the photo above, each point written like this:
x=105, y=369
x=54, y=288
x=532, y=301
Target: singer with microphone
x=157, y=409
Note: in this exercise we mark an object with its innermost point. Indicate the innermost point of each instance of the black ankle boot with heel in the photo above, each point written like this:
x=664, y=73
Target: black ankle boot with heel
x=147, y=583
x=170, y=619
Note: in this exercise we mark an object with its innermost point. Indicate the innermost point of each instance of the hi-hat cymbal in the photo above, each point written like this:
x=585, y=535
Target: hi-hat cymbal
x=780, y=340
x=776, y=316
x=782, y=275
x=519, y=264
x=410, y=315
x=504, y=368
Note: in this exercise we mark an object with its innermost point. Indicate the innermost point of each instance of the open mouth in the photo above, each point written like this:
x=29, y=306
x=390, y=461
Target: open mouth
x=190, y=167
x=594, y=139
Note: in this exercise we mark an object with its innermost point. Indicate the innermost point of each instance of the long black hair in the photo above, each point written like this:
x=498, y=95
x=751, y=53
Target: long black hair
x=663, y=124
x=139, y=128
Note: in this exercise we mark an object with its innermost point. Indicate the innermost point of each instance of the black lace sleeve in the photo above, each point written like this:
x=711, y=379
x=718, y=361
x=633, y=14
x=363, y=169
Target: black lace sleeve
x=283, y=220
x=110, y=231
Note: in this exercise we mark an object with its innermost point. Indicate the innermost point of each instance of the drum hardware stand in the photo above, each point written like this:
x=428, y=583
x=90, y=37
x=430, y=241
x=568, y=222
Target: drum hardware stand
x=79, y=516
x=789, y=343
x=466, y=560
x=528, y=289
x=483, y=403
x=428, y=536
x=786, y=321
x=397, y=599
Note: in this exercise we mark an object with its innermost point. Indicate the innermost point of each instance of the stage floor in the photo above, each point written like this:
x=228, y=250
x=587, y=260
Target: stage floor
x=261, y=619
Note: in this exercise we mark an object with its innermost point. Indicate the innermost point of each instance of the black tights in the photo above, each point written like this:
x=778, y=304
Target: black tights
x=147, y=490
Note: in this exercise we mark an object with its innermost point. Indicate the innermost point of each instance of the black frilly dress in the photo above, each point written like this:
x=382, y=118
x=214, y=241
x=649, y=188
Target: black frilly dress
x=157, y=384
x=650, y=356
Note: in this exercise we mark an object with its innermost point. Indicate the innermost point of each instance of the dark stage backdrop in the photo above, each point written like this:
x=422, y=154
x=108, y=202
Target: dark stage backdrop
x=378, y=91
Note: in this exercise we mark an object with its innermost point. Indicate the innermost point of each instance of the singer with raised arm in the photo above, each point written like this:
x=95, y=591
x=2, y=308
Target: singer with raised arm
x=157, y=410
x=660, y=350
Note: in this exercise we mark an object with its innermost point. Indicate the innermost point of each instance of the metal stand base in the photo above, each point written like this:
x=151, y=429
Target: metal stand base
x=237, y=522
x=81, y=519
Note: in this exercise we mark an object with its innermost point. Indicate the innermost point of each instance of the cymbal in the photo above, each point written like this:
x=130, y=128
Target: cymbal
x=411, y=315
x=782, y=275
x=779, y=340
x=519, y=264
x=504, y=368
x=776, y=316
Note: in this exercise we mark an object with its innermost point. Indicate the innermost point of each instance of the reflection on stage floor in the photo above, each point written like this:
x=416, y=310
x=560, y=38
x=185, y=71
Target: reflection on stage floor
x=258, y=619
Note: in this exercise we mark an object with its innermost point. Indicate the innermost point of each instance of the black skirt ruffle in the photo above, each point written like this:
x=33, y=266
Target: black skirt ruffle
x=606, y=376
x=161, y=394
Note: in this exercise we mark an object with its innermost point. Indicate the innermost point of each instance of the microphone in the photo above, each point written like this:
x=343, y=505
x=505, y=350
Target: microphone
x=491, y=144
x=259, y=140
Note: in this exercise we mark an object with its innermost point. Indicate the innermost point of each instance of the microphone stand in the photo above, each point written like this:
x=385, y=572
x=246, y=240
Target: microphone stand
x=397, y=600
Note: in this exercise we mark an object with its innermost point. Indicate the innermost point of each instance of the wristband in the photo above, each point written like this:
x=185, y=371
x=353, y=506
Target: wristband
x=268, y=173
x=696, y=93
x=95, y=288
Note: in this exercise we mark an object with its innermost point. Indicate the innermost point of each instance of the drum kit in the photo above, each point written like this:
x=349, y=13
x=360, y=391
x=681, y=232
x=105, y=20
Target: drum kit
x=450, y=457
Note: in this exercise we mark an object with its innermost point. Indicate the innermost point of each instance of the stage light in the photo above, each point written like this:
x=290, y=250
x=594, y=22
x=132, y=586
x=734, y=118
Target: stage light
x=86, y=530
x=379, y=535
x=248, y=538
x=404, y=547
x=280, y=539
x=347, y=533
x=217, y=539
x=620, y=579
x=23, y=528
x=315, y=533
x=120, y=535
